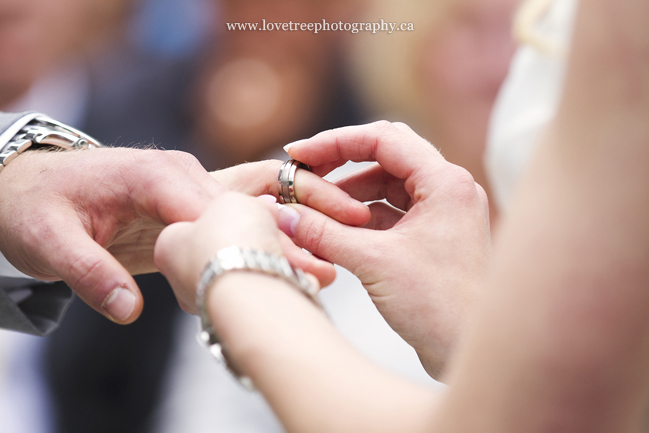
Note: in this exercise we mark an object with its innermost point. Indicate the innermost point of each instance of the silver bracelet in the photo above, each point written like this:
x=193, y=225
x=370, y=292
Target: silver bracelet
x=238, y=258
x=35, y=130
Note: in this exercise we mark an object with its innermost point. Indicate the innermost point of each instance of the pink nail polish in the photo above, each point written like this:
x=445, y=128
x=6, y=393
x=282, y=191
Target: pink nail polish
x=288, y=220
x=268, y=198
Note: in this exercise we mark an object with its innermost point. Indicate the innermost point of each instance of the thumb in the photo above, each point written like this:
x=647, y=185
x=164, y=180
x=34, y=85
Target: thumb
x=178, y=262
x=96, y=277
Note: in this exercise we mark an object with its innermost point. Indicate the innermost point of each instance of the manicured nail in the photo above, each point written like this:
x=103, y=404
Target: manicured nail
x=268, y=198
x=288, y=146
x=119, y=304
x=314, y=283
x=288, y=219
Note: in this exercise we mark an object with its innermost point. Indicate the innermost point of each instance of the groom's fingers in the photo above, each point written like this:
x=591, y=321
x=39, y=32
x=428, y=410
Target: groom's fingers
x=261, y=178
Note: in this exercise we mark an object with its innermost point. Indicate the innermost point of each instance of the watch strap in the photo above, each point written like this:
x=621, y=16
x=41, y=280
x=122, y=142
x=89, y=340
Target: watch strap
x=244, y=259
x=12, y=123
x=27, y=130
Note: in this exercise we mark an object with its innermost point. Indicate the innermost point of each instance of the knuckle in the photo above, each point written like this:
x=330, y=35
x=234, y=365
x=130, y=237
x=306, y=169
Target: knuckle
x=271, y=168
x=483, y=197
x=460, y=176
x=185, y=159
x=271, y=164
x=264, y=174
x=385, y=126
x=461, y=185
x=384, y=133
x=85, y=271
x=305, y=195
x=187, y=307
x=402, y=126
x=313, y=233
x=146, y=161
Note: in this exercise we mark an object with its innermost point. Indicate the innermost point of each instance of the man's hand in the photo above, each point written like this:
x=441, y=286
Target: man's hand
x=92, y=217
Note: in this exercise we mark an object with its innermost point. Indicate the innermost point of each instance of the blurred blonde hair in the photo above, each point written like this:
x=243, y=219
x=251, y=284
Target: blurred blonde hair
x=526, y=18
x=386, y=66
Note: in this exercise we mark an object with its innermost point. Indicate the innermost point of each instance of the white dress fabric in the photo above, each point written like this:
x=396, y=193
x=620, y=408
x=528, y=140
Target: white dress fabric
x=527, y=102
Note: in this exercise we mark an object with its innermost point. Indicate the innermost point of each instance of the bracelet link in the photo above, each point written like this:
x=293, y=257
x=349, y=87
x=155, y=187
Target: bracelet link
x=43, y=131
x=237, y=258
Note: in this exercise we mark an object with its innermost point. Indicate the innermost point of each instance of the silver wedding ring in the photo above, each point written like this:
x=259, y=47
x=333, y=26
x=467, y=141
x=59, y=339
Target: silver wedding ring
x=286, y=180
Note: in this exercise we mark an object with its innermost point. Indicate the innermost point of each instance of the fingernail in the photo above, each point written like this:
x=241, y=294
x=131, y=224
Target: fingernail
x=288, y=219
x=268, y=198
x=356, y=202
x=288, y=146
x=119, y=304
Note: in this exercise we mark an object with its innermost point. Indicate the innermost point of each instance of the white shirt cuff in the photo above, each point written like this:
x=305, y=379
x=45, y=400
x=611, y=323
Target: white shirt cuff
x=7, y=269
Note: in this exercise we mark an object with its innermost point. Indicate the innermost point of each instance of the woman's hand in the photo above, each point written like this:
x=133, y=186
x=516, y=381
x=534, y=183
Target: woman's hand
x=184, y=249
x=422, y=260
x=279, y=339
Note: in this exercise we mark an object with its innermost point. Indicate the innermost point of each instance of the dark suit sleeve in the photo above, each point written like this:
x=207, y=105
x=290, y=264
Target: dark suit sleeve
x=26, y=305
x=32, y=307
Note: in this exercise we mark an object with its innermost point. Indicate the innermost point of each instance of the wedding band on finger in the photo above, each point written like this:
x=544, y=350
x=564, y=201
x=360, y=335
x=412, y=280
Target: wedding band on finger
x=286, y=180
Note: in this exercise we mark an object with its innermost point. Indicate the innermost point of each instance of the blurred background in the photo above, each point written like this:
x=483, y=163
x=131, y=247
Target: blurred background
x=168, y=73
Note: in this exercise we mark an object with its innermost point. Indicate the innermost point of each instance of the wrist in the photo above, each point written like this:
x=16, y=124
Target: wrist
x=240, y=305
x=436, y=350
x=236, y=260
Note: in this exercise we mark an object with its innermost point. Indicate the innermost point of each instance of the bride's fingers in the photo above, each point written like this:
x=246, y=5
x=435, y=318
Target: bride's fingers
x=322, y=270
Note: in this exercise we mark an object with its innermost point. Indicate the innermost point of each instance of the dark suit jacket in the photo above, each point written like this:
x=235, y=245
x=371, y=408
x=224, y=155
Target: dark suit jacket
x=104, y=377
x=27, y=305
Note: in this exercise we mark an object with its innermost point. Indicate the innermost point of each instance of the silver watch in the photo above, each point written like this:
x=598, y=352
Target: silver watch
x=22, y=131
x=245, y=259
